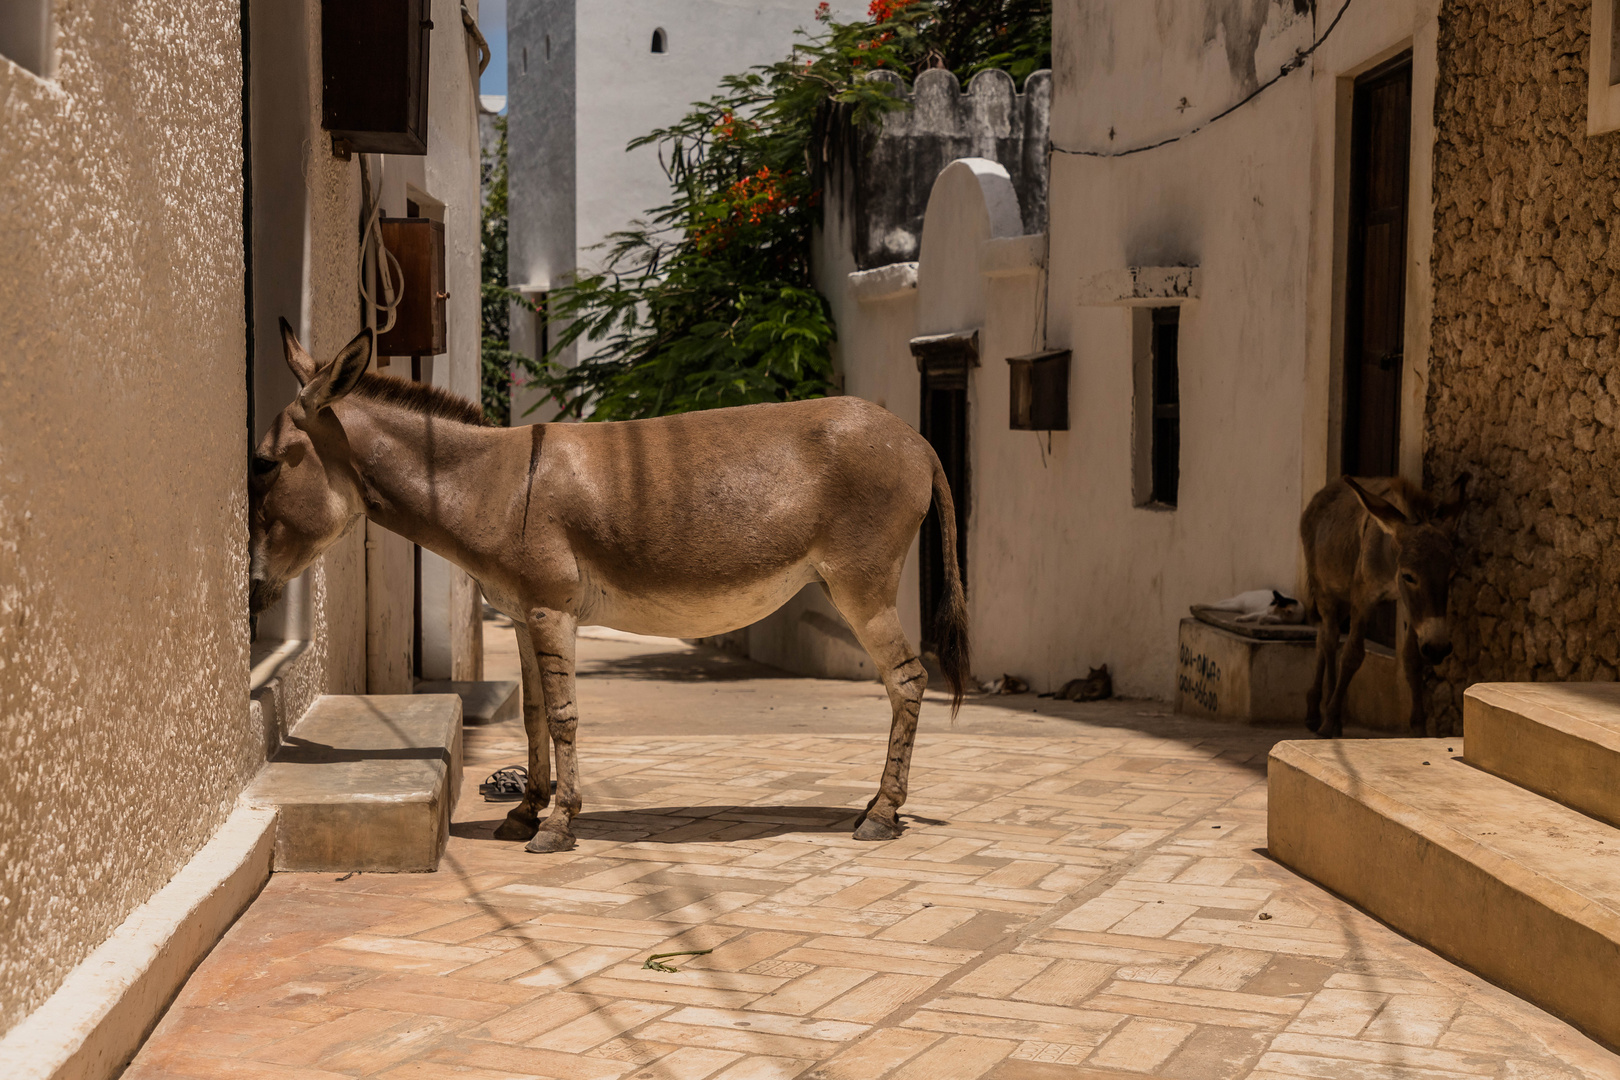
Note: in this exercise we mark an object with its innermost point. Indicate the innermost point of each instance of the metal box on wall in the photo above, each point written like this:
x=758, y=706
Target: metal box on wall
x=1038, y=392
x=374, y=74
x=419, y=321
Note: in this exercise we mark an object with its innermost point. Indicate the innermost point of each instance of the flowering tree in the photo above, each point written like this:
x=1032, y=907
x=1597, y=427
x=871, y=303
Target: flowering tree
x=709, y=301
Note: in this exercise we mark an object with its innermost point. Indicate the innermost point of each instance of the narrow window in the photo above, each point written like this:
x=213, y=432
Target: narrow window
x=525, y=59
x=548, y=46
x=25, y=34
x=1166, y=449
x=660, y=42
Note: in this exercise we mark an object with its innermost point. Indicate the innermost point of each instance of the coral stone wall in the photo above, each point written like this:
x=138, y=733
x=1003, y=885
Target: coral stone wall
x=125, y=732
x=1525, y=381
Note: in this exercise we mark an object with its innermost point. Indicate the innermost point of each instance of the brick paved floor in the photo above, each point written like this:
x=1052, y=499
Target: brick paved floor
x=1081, y=894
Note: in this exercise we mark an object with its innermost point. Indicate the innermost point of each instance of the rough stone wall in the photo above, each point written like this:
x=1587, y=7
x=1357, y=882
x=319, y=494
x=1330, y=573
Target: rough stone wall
x=125, y=733
x=1525, y=381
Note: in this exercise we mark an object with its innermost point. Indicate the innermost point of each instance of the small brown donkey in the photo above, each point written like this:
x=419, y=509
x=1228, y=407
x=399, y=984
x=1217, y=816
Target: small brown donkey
x=685, y=526
x=1365, y=542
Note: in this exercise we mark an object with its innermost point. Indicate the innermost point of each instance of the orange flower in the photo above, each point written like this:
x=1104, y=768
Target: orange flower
x=881, y=11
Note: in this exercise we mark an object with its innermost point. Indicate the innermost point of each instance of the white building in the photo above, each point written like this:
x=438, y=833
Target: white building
x=584, y=78
x=1199, y=223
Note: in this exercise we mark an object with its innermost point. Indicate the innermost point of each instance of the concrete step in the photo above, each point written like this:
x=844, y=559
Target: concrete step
x=365, y=782
x=488, y=702
x=1561, y=740
x=1521, y=889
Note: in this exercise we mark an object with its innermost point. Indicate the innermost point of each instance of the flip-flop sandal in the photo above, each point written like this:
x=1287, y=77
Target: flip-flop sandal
x=505, y=785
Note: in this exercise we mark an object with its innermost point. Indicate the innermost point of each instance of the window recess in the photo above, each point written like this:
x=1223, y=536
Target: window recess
x=1156, y=479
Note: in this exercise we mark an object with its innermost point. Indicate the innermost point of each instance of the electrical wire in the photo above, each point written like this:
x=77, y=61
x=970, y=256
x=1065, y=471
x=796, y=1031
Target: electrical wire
x=372, y=247
x=1294, y=64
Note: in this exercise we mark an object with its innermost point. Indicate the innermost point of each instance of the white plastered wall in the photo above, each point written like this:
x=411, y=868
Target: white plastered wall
x=1372, y=32
x=125, y=727
x=1234, y=200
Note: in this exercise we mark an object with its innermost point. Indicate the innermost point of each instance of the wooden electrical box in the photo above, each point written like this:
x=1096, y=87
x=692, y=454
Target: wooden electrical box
x=1038, y=397
x=374, y=74
x=419, y=322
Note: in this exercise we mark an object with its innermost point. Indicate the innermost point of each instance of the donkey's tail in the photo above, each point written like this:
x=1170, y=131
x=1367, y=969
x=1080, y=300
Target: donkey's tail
x=951, y=621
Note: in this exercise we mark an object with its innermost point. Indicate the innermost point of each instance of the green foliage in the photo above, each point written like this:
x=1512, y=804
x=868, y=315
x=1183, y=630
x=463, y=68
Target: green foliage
x=499, y=364
x=710, y=300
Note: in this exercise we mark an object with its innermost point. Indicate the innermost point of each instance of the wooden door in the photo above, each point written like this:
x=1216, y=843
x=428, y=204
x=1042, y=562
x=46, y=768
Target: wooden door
x=1380, y=142
x=945, y=426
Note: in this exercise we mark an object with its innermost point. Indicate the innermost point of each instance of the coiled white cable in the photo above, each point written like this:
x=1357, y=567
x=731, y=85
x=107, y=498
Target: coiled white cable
x=371, y=245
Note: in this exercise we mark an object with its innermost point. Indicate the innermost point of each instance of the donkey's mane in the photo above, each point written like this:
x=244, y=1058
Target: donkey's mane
x=419, y=397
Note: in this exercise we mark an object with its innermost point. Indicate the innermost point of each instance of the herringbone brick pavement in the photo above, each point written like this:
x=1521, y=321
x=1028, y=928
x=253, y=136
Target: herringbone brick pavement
x=1085, y=900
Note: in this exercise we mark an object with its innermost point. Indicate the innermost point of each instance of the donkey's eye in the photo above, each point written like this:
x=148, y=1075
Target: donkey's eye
x=264, y=466
x=1409, y=578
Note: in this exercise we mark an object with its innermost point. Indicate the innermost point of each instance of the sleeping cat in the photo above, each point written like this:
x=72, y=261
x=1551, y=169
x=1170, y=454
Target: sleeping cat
x=1262, y=606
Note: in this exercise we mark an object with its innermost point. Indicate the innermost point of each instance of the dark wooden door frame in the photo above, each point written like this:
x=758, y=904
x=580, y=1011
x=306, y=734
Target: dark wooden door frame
x=943, y=361
x=1375, y=279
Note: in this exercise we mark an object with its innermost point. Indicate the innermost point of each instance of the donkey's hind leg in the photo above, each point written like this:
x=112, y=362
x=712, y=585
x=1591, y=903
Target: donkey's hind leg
x=879, y=632
x=524, y=818
x=552, y=633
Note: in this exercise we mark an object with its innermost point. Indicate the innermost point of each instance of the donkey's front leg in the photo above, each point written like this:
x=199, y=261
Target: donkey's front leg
x=524, y=818
x=552, y=633
x=1327, y=650
x=1412, y=675
x=1355, y=650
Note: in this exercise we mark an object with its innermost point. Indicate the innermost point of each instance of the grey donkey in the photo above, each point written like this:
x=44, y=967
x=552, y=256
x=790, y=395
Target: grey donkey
x=683, y=526
x=1368, y=541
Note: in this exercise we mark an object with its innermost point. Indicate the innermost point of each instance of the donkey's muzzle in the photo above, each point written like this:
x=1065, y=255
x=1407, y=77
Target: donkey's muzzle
x=261, y=595
x=1436, y=652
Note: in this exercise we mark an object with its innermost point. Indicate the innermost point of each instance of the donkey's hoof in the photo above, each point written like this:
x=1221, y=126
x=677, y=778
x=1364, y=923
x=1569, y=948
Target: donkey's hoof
x=516, y=827
x=1314, y=723
x=874, y=828
x=549, y=840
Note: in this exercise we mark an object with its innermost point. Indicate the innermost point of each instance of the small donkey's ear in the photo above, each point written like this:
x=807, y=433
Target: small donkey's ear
x=302, y=364
x=1380, y=509
x=337, y=378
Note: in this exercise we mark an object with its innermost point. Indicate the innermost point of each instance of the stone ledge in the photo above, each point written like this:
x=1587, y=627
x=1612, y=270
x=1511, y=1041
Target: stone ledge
x=1140, y=286
x=1560, y=740
x=482, y=702
x=883, y=283
x=365, y=782
x=97, y=1019
x=1524, y=891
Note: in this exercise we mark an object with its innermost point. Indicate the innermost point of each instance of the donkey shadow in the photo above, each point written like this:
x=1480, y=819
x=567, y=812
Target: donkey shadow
x=698, y=824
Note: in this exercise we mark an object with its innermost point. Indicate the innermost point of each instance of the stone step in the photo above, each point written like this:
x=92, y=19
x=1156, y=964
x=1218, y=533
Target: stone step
x=1561, y=740
x=1519, y=888
x=488, y=702
x=365, y=782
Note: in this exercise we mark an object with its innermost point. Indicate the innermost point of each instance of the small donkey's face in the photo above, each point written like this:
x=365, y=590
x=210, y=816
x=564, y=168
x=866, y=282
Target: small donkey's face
x=303, y=492
x=1425, y=563
x=1426, y=560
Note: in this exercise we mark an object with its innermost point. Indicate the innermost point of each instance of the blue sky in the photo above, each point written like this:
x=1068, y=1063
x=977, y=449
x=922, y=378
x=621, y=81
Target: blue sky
x=492, y=21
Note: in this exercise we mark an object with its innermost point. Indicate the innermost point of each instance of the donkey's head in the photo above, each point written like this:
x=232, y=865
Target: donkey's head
x=303, y=492
x=1425, y=562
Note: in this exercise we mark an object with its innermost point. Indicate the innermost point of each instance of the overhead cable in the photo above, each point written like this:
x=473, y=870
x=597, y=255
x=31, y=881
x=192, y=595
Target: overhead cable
x=1296, y=62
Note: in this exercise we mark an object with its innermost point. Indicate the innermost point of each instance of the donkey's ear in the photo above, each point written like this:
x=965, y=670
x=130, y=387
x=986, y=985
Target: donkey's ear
x=1381, y=510
x=1452, y=508
x=303, y=365
x=337, y=378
